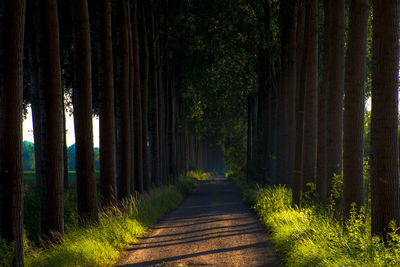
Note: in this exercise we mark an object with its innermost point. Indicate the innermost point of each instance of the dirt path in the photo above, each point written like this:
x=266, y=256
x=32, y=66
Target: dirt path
x=211, y=228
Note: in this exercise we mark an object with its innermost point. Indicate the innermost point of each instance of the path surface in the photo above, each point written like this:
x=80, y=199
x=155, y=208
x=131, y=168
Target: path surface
x=211, y=228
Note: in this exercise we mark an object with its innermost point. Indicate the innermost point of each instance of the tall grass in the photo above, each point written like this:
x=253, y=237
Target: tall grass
x=103, y=243
x=311, y=236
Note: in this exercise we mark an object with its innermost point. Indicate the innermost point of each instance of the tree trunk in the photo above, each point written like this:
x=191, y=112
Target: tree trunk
x=33, y=22
x=385, y=197
x=322, y=180
x=353, y=138
x=310, y=95
x=138, y=155
x=132, y=82
x=300, y=87
x=124, y=129
x=172, y=132
x=144, y=78
x=289, y=85
x=65, y=147
x=154, y=107
x=12, y=21
x=335, y=92
x=51, y=107
x=107, y=112
x=82, y=101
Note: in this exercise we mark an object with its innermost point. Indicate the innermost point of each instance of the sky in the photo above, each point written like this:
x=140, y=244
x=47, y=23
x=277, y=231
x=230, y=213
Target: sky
x=28, y=129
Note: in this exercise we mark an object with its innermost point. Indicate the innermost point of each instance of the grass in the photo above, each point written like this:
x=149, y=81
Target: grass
x=103, y=243
x=198, y=175
x=310, y=236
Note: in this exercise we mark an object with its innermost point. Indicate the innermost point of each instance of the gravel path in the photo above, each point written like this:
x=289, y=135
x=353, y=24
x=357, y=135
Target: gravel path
x=211, y=228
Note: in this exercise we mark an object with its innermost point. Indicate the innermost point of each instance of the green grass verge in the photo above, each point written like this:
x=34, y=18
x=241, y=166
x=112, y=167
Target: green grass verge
x=311, y=236
x=102, y=244
x=198, y=175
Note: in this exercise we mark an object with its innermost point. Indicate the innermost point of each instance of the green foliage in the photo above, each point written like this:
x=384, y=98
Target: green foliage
x=6, y=253
x=198, y=175
x=309, y=236
x=102, y=244
x=218, y=68
x=28, y=156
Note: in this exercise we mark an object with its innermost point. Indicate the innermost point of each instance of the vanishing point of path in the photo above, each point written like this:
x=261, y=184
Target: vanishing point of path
x=212, y=227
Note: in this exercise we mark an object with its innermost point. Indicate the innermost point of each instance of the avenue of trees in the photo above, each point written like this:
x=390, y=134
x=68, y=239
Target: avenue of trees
x=275, y=88
x=114, y=59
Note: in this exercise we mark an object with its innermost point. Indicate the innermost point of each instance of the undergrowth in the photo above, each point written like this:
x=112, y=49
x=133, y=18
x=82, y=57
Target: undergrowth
x=198, y=175
x=101, y=244
x=310, y=236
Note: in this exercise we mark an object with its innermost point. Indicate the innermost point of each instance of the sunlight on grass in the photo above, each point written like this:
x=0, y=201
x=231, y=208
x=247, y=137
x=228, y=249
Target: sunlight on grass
x=311, y=237
x=102, y=244
x=198, y=175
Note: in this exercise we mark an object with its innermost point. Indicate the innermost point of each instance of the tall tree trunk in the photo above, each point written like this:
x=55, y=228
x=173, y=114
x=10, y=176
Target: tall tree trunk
x=335, y=92
x=132, y=82
x=385, y=195
x=300, y=88
x=82, y=101
x=144, y=79
x=33, y=24
x=12, y=21
x=310, y=95
x=107, y=112
x=353, y=138
x=172, y=133
x=289, y=85
x=51, y=107
x=124, y=129
x=65, y=147
x=154, y=107
x=322, y=179
x=138, y=155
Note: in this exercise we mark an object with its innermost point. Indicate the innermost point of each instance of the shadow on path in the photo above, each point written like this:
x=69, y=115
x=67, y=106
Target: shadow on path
x=211, y=228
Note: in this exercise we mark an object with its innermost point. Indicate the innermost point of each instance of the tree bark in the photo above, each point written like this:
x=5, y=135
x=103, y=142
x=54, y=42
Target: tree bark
x=52, y=136
x=82, y=101
x=172, y=133
x=289, y=83
x=107, y=112
x=385, y=197
x=123, y=107
x=154, y=106
x=144, y=78
x=131, y=102
x=33, y=24
x=322, y=180
x=138, y=155
x=353, y=138
x=335, y=92
x=65, y=147
x=12, y=21
x=300, y=87
x=310, y=95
